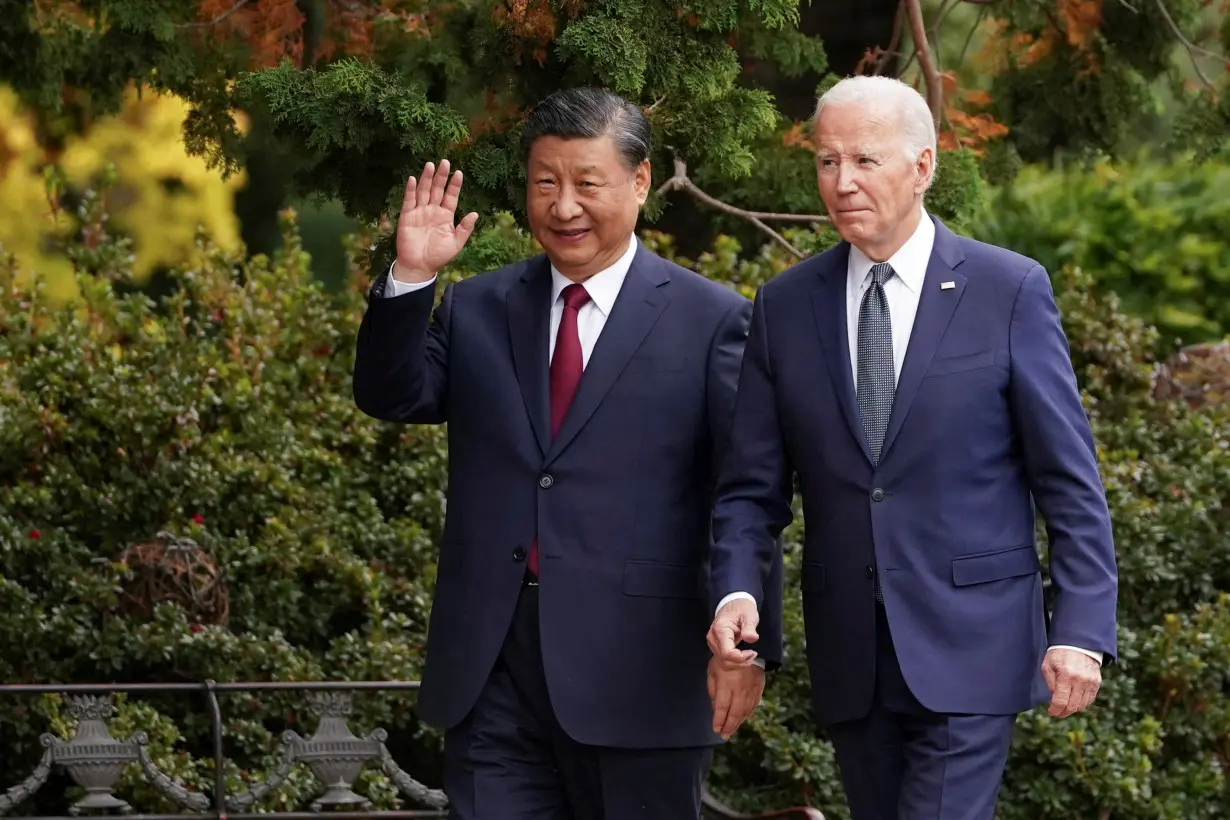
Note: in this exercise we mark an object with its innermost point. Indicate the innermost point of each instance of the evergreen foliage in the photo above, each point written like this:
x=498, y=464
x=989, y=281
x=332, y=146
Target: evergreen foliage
x=676, y=60
x=1088, y=76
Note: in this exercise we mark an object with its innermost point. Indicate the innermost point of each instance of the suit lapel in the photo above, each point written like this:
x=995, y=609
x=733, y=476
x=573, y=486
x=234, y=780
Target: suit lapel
x=829, y=304
x=529, y=313
x=935, y=309
x=640, y=302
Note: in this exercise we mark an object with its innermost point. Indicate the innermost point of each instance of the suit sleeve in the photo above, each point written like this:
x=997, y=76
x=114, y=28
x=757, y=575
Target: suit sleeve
x=754, y=491
x=401, y=361
x=725, y=357
x=1062, y=469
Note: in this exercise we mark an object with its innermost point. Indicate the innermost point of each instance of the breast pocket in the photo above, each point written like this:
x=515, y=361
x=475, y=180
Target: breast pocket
x=961, y=363
x=656, y=363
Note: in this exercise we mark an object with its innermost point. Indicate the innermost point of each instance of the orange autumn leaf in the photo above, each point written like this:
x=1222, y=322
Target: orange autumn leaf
x=529, y=20
x=796, y=137
x=990, y=57
x=1081, y=19
x=977, y=98
x=273, y=29
x=971, y=130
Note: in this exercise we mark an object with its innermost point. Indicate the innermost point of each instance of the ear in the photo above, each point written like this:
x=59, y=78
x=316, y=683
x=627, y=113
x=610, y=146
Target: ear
x=642, y=179
x=924, y=169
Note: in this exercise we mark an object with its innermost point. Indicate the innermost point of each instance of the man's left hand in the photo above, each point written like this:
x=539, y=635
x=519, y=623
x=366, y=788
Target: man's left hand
x=1073, y=678
x=734, y=692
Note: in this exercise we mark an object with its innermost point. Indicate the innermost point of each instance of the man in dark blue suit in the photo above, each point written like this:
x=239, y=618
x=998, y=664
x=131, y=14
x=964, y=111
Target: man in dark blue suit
x=918, y=386
x=588, y=395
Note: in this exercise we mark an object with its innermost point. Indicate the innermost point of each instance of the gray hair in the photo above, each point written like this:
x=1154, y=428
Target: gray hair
x=589, y=113
x=913, y=113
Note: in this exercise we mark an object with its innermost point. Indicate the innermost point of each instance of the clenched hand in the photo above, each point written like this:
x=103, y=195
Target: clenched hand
x=1073, y=678
x=735, y=623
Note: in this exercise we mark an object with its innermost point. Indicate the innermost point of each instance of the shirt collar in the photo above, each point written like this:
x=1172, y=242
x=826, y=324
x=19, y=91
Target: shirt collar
x=909, y=263
x=604, y=285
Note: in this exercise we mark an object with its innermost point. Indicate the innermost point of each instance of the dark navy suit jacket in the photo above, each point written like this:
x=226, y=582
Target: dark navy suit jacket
x=986, y=417
x=621, y=499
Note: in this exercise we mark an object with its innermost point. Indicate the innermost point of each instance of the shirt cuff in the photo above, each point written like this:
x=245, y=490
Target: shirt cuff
x=392, y=287
x=1097, y=656
x=734, y=596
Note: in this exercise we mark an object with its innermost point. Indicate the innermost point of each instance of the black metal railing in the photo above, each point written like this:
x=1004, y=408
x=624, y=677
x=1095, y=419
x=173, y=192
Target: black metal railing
x=336, y=756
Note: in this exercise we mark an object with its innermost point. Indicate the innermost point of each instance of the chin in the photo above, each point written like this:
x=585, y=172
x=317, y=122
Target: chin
x=570, y=253
x=566, y=255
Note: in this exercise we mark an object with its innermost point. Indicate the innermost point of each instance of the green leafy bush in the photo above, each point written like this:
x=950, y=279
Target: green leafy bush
x=222, y=411
x=1153, y=233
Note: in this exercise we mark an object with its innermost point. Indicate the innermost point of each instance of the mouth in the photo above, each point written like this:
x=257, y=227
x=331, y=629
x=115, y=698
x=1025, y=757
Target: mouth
x=571, y=234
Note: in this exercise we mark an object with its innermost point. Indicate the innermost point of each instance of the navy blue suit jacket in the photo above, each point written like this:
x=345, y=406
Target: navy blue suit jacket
x=621, y=499
x=986, y=421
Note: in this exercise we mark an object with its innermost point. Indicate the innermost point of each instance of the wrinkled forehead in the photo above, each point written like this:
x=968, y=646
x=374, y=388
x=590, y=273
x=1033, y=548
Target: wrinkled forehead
x=863, y=128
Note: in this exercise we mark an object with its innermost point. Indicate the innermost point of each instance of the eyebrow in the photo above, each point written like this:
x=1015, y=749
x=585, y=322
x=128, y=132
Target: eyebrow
x=860, y=151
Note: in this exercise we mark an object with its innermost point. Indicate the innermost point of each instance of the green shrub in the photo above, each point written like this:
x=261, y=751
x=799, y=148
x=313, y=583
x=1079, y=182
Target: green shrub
x=1155, y=233
x=222, y=411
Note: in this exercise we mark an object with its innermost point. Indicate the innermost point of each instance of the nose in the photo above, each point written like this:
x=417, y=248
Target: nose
x=845, y=179
x=566, y=206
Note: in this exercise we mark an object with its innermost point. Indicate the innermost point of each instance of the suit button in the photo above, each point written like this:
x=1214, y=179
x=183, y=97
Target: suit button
x=545, y=481
x=869, y=571
x=519, y=554
x=877, y=494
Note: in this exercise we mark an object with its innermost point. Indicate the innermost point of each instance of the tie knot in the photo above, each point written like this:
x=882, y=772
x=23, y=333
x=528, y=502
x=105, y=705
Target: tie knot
x=881, y=273
x=575, y=296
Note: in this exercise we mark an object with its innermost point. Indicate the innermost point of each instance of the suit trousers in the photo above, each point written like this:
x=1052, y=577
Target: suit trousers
x=509, y=759
x=904, y=762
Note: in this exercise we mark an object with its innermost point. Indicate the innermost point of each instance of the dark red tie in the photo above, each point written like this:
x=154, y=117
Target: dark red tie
x=567, y=365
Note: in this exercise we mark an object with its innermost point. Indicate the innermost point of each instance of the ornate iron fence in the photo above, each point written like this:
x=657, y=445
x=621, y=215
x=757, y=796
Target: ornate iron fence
x=95, y=759
x=335, y=755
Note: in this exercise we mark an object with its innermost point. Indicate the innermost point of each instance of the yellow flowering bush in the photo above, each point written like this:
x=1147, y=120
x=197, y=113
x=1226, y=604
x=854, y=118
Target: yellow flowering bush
x=156, y=193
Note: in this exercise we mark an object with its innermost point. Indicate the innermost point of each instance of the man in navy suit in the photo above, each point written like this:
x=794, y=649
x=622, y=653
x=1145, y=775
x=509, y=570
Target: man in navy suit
x=588, y=395
x=918, y=386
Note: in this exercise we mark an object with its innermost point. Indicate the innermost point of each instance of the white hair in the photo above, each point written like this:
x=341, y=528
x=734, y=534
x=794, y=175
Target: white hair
x=913, y=113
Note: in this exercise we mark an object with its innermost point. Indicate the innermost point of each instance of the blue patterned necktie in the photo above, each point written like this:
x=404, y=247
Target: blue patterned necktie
x=876, y=378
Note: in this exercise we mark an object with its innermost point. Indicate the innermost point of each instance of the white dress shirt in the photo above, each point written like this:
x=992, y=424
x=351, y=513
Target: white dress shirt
x=902, y=291
x=602, y=287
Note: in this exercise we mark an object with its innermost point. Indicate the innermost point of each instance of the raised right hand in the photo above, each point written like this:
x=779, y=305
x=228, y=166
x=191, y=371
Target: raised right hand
x=427, y=240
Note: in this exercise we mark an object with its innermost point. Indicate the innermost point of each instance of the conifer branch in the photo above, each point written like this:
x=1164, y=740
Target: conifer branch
x=238, y=5
x=682, y=182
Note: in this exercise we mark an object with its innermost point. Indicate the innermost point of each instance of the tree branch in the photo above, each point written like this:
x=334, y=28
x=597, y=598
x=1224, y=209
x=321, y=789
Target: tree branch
x=682, y=182
x=935, y=87
x=1192, y=48
x=894, y=41
x=217, y=19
